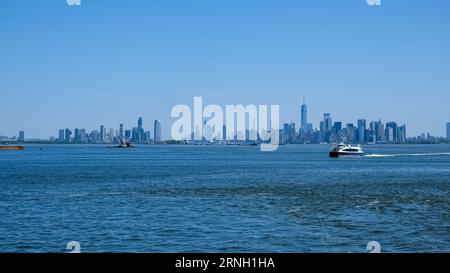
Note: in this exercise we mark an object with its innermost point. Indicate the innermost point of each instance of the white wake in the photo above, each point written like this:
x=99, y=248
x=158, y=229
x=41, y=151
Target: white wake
x=420, y=154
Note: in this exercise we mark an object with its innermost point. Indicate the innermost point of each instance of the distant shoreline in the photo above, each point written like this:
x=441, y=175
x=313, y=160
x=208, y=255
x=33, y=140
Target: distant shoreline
x=198, y=144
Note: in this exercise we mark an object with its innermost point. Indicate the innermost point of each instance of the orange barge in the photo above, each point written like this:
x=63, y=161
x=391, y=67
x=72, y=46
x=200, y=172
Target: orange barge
x=12, y=148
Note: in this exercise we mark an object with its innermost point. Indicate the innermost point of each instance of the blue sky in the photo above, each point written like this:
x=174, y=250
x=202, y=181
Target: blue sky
x=110, y=61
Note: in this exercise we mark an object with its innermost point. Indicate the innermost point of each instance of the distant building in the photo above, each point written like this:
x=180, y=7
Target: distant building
x=321, y=136
x=391, y=132
x=285, y=133
x=135, y=134
x=362, y=131
x=328, y=127
x=350, y=133
x=21, y=137
x=328, y=122
x=80, y=136
x=401, y=134
x=379, y=132
x=448, y=130
x=67, y=135
x=61, y=135
x=121, y=131
x=127, y=134
x=224, y=132
x=147, y=136
x=140, y=134
x=157, y=131
x=102, y=134
x=304, y=117
x=337, y=127
x=95, y=137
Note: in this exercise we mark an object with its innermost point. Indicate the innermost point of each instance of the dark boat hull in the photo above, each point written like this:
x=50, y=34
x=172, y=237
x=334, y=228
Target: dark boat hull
x=338, y=154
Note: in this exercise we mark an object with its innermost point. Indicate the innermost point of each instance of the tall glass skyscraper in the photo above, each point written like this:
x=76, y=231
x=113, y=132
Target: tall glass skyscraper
x=328, y=122
x=157, y=131
x=362, y=130
x=102, y=134
x=121, y=130
x=304, y=117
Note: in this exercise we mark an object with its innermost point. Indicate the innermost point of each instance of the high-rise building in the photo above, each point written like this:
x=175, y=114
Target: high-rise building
x=448, y=130
x=127, y=134
x=121, y=131
x=61, y=135
x=80, y=136
x=309, y=128
x=67, y=135
x=21, y=137
x=349, y=133
x=147, y=136
x=401, y=134
x=337, y=127
x=140, y=130
x=94, y=137
x=362, y=131
x=76, y=136
x=391, y=132
x=102, y=134
x=379, y=132
x=135, y=134
x=328, y=127
x=224, y=132
x=157, y=131
x=304, y=117
x=328, y=122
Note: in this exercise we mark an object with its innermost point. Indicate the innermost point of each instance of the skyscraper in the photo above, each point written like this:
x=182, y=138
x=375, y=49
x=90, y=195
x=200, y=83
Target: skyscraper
x=157, y=131
x=67, y=135
x=379, y=132
x=328, y=122
x=61, y=135
x=140, y=130
x=135, y=134
x=224, y=132
x=328, y=127
x=121, y=131
x=401, y=134
x=286, y=131
x=127, y=134
x=391, y=132
x=361, y=131
x=304, y=117
x=80, y=136
x=21, y=137
x=102, y=134
x=76, y=136
x=448, y=130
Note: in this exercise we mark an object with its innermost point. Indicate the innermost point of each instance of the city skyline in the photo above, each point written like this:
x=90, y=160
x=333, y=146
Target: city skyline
x=62, y=66
x=327, y=131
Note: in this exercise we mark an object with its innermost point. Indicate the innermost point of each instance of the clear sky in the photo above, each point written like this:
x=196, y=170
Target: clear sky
x=110, y=61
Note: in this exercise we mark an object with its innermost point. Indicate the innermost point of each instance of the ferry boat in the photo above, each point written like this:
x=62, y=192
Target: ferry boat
x=342, y=149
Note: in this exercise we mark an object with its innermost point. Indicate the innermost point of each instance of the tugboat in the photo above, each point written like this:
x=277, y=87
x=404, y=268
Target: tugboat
x=123, y=144
x=342, y=149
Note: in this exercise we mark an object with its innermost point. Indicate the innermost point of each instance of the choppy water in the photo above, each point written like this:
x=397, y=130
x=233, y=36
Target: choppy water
x=224, y=199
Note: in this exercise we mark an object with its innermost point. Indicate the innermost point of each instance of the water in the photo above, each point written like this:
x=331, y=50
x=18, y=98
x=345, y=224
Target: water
x=224, y=199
